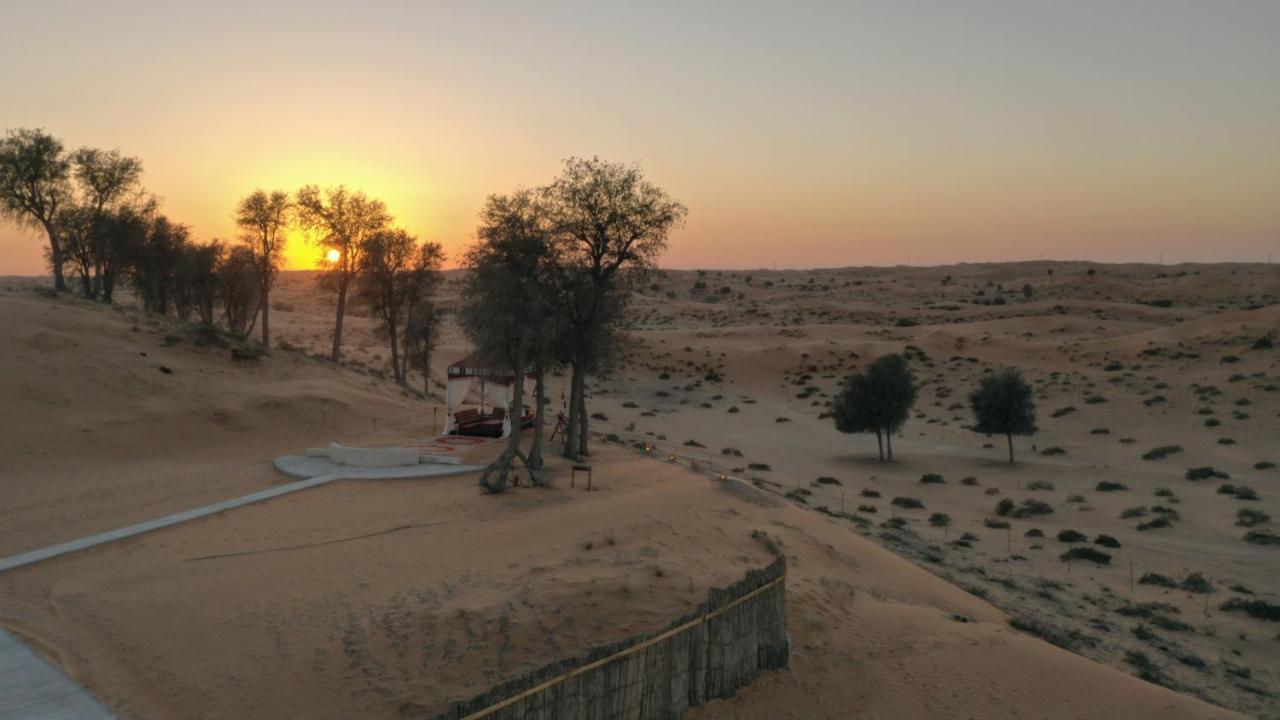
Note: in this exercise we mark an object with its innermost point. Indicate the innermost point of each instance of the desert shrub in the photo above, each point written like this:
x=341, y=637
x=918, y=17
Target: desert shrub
x=1157, y=579
x=733, y=452
x=1029, y=508
x=1226, y=441
x=827, y=480
x=1248, y=517
x=867, y=508
x=1133, y=512
x=1040, y=485
x=1068, y=639
x=759, y=466
x=907, y=503
x=995, y=524
x=770, y=543
x=1196, y=583
x=693, y=443
x=1110, y=486
x=1075, y=498
x=970, y=480
x=1071, y=536
x=630, y=405
x=1034, y=532
x=1262, y=537
x=1156, y=523
x=1099, y=431
x=1062, y=411
x=1164, y=622
x=939, y=519
x=1212, y=422
x=1258, y=609
x=870, y=493
x=931, y=479
x=1094, y=400
x=1086, y=553
x=1106, y=541
x=1263, y=465
x=1159, y=453
x=1004, y=507
x=798, y=494
x=1204, y=473
x=1055, y=450
x=1229, y=360
x=599, y=416
x=1244, y=492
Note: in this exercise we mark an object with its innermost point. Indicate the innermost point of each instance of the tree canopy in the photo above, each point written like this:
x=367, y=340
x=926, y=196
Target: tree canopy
x=877, y=401
x=1003, y=405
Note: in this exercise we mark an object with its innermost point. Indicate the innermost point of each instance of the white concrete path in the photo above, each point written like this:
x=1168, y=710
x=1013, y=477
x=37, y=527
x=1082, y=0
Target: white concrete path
x=335, y=472
x=31, y=688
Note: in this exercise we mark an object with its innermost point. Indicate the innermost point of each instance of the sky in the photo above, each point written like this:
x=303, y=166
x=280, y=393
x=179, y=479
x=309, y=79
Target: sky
x=797, y=134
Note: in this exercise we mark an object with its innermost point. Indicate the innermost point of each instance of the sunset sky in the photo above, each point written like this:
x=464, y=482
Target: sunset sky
x=797, y=134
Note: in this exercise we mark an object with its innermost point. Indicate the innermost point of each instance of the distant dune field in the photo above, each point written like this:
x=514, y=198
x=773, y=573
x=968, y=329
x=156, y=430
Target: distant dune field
x=890, y=616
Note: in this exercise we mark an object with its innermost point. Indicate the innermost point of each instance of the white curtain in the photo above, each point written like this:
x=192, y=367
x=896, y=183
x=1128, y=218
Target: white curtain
x=456, y=391
x=502, y=396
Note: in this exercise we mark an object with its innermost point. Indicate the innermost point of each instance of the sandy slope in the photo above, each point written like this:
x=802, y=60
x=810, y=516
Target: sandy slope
x=386, y=600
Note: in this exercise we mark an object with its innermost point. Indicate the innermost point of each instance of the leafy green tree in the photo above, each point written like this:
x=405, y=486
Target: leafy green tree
x=504, y=305
x=35, y=184
x=878, y=400
x=1003, y=405
x=610, y=224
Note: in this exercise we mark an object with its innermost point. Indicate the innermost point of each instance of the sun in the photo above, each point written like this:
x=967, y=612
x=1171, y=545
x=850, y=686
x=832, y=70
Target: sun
x=332, y=256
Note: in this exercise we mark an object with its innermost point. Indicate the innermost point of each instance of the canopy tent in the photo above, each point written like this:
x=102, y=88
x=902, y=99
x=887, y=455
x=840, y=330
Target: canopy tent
x=496, y=387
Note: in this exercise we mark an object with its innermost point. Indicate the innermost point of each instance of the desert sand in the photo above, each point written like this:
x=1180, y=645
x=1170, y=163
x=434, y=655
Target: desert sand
x=364, y=599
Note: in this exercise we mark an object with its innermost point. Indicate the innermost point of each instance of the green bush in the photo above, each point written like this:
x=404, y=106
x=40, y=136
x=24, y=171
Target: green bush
x=1159, y=453
x=1086, y=553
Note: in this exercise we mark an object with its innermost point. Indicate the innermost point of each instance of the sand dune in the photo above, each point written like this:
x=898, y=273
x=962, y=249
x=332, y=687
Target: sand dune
x=387, y=600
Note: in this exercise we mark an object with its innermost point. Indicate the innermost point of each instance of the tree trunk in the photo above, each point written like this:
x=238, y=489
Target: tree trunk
x=266, y=317
x=583, y=451
x=1010, y=437
x=539, y=392
x=888, y=443
x=408, y=340
x=337, y=324
x=571, y=425
x=879, y=446
x=502, y=465
x=395, y=353
x=55, y=257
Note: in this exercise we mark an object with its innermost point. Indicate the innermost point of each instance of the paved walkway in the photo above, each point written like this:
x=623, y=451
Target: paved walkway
x=32, y=688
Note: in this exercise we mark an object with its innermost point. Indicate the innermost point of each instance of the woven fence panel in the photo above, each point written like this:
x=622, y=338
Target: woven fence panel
x=734, y=635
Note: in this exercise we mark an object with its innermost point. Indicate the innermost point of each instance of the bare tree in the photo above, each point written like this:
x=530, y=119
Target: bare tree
x=422, y=315
x=106, y=178
x=238, y=287
x=34, y=185
x=387, y=283
x=607, y=219
x=344, y=219
x=263, y=218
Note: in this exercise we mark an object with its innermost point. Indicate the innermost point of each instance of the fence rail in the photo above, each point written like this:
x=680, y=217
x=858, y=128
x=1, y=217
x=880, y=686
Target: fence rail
x=736, y=633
